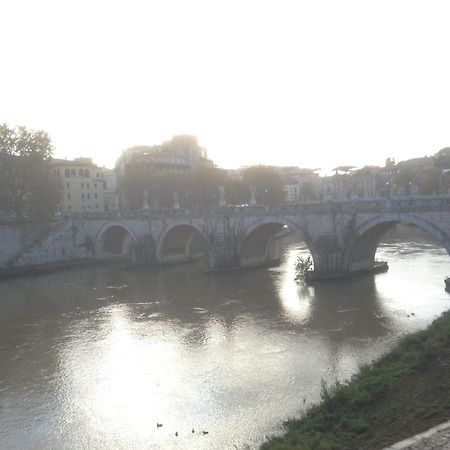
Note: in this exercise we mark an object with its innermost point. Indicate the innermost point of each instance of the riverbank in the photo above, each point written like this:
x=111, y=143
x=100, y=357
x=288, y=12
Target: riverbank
x=61, y=266
x=404, y=393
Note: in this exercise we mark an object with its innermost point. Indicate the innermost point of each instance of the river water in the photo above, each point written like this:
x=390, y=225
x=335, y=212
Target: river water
x=95, y=358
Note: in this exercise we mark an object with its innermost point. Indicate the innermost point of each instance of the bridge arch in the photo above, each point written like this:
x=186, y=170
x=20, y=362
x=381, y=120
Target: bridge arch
x=181, y=242
x=115, y=239
x=363, y=247
x=254, y=247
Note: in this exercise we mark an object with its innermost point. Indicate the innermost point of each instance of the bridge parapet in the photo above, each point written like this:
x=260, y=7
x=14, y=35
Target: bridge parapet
x=412, y=203
x=341, y=235
x=416, y=203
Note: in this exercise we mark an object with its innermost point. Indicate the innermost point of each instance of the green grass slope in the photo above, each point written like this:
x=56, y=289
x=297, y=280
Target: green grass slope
x=404, y=393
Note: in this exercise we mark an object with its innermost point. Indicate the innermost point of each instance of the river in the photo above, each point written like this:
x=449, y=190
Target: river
x=95, y=358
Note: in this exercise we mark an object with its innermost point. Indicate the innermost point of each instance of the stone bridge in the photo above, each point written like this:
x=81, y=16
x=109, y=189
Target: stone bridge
x=342, y=236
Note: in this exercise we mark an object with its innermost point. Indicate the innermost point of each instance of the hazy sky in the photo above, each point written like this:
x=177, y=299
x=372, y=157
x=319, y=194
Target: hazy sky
x=308, y=83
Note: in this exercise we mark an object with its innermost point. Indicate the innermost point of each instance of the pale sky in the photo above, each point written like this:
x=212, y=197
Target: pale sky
x=307, y=83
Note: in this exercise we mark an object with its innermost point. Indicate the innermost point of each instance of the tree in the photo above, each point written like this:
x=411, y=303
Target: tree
x=237, y=193
x=405, y=177
x=198, y=188
x=194, y=189
x=442, y=158
x=307, y=191
x=431, y=181
x=268, y=183
x=27, y=187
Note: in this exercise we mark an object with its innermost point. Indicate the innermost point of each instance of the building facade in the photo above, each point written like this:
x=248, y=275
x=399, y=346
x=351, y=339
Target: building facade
x=179, y=155
x=291, y=189
x=82, y=186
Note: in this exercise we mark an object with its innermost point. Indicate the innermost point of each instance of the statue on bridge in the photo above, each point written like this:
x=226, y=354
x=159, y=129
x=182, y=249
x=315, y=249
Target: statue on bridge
x=222, y=198
x=146, y=204
x=176, y=202
x=252, y=201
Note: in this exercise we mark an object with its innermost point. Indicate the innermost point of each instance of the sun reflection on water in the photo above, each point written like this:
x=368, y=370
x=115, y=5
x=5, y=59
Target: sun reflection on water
x=295, y=298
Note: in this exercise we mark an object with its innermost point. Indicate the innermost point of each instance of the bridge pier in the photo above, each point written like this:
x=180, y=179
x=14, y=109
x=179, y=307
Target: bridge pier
x=222, y=256
x=326, y=264
x=331, y=266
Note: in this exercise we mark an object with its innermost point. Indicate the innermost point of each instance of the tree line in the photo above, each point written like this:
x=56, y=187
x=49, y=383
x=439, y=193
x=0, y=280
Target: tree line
x=27, y=187
x=431, y=179
x=198, y=188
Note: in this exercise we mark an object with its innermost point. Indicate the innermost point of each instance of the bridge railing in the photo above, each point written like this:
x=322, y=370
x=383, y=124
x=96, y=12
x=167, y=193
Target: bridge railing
x=416, y=203
x=401, y=204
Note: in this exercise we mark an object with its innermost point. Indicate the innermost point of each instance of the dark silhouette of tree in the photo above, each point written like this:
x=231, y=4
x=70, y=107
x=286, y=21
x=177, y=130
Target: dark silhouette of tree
x=431, y=181
x=405, y=177
x=307, y=191
x=194, y=189
x=268, y=183
x=442, y=158
x=27, y=187
x=237, y=193
x=198, y=188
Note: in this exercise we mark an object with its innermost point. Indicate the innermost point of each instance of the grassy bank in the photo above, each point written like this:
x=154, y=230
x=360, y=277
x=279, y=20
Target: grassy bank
x=402, y=394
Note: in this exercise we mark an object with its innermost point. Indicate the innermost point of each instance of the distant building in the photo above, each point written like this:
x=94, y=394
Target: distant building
x=82, y=185
x=291, y=189
x=365, y=183
x=300, y=184
x=353, y=184
x=411, y=177
x=335, y=187
x=180, y=154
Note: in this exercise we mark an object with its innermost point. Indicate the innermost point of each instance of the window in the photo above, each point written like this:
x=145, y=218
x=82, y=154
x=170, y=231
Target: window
x=82, y=195
x=87, y=185
x=69, y=196
x=88, y=196
x=96, y=195
x=68, y=185
x=69, y=208
x=73, y=173
x=95, y=185
x=86, y=173
x=81, y=173
x=67, y=173
x=98, y=175
x=82, y=185
x=96, y=206
x=57, y=171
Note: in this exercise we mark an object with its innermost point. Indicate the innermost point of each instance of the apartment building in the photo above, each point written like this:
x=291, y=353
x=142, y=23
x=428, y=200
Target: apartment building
x=82, y=186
